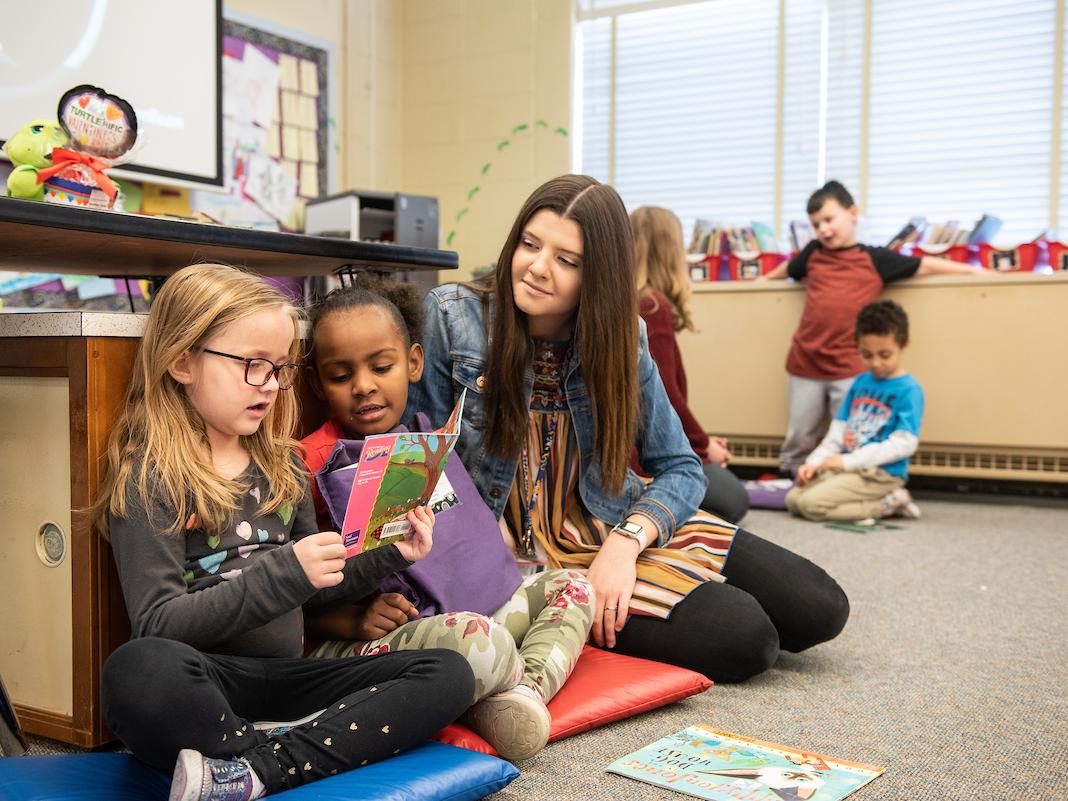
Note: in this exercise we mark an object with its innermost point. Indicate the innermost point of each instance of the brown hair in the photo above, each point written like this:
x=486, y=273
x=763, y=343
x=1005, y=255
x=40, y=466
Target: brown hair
x=661, y=259
x=157, y=450
x=606, y=331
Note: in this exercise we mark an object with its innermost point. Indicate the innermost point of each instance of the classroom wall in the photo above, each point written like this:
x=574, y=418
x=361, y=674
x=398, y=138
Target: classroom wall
x=366, y=39
x=474, y=72
x=444, y=98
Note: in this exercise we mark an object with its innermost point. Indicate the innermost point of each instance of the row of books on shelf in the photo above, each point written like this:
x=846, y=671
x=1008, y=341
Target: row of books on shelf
x=917, y=231
x=720, y=252
x=713, y=238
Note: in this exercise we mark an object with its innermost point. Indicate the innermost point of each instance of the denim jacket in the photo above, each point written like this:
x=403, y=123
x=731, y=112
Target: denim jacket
x=455, y=344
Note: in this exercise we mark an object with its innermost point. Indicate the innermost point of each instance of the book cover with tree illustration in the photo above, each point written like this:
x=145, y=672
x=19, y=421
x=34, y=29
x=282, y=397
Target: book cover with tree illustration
x=720, y=766
x=395, y=474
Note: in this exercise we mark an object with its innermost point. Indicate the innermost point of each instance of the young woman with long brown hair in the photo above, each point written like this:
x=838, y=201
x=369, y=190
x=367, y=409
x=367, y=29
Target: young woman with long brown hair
x=560, y=389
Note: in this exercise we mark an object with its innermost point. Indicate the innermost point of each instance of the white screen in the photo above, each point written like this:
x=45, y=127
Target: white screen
x=162, y=57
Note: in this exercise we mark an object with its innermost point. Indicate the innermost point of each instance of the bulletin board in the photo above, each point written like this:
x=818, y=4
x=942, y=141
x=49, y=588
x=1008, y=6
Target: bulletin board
x=275, y=129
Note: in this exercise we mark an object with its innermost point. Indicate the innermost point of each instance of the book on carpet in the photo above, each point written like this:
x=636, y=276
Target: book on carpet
x=395, y=474
x=720, y=766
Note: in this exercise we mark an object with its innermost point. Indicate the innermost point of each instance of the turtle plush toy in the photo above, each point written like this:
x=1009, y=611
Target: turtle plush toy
x=30, y=150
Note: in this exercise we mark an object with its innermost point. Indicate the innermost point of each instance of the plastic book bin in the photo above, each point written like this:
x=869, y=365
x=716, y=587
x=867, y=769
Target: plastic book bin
x=1021, y=258
x=747, y=266
x=707, y=269
x=959, y=252
x=1058, y=254
x=428, y=772
x=604, y=687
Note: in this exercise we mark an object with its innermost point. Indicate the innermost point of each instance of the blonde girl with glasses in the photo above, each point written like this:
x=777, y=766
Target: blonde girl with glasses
x=206, y=507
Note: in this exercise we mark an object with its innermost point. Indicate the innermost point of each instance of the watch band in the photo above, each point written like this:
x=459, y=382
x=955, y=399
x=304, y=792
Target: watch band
x=633, y=531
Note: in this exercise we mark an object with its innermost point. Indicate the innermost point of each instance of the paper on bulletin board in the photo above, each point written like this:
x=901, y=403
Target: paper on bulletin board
x=270, y=186
x=309, y=77
x=309, y=180
x=290, y=77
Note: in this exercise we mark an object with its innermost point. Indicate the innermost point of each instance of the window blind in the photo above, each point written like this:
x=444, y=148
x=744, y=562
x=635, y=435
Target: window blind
x=959, y=122
x=695, y=108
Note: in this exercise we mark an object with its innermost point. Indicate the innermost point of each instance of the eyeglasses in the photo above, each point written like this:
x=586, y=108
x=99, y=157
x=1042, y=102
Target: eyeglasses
x=259, y=371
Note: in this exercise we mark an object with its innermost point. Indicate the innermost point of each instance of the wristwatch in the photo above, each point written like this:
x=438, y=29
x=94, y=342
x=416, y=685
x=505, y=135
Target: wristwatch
x=632, y=530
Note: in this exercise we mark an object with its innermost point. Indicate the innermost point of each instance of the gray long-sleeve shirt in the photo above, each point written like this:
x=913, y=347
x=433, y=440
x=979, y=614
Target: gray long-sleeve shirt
x=236, y=592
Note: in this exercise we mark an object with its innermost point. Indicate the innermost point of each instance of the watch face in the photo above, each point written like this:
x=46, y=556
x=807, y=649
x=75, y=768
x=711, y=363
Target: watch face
x=629, y=529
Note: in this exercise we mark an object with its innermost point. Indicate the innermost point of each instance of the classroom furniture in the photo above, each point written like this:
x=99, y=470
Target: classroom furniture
x=63, y=377
x=988, y=350
x=368, y=216
x=45, y=237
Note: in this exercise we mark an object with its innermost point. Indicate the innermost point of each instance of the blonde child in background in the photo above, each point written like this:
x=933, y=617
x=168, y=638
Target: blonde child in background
x=664, y=304
x=217, y=550
x=860, y=468
x=521, y=637
x=841, y=276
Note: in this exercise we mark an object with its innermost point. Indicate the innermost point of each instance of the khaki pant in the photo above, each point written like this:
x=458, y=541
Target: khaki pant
x=847, y=495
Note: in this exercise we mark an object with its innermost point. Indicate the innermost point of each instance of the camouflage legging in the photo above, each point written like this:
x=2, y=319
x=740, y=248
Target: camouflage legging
x=534, y=639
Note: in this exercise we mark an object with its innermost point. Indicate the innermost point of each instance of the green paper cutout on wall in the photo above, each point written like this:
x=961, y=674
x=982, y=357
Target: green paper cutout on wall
x=501, y=147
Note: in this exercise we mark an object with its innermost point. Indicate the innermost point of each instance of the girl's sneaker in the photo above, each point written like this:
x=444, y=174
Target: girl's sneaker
x=200, y=778
x=515, y=722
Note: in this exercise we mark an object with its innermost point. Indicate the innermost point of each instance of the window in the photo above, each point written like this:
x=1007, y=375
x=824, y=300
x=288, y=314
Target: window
x=706, y=108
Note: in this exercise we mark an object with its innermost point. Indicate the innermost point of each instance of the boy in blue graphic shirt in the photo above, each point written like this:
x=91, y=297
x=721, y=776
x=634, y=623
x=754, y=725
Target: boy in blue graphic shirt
x=860, y=468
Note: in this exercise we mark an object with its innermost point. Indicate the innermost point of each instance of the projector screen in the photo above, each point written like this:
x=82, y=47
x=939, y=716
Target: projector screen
x=164, y=58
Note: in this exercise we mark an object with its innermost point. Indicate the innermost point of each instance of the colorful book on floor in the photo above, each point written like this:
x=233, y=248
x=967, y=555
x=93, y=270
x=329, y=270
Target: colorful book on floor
x=720, y=766
x=395, y=474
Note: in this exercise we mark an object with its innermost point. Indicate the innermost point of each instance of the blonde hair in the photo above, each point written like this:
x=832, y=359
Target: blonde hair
x=158, y=446
x=661, y=259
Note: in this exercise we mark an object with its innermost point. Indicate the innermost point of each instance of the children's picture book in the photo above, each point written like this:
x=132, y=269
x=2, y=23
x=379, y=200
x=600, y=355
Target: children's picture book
x=800, y=234
x=720, y=766
x=395, y=474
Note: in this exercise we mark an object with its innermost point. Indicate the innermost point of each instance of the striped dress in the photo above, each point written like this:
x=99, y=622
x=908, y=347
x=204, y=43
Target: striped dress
x=567, y=535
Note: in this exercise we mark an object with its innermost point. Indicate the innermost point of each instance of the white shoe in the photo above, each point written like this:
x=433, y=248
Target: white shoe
x=515, y=722
x=900, y=504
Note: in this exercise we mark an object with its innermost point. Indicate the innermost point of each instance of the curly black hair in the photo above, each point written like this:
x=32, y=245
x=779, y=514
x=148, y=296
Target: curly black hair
x=400, y=299
x=883, y=317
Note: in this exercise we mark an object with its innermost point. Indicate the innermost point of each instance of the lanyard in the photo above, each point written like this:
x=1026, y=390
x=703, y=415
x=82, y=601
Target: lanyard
x=528, y=512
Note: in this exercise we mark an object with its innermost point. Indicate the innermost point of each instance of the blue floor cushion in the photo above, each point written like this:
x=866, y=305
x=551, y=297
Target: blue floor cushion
x=429, y=772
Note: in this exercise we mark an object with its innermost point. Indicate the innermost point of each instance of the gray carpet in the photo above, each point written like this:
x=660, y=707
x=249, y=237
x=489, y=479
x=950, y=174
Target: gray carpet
x=952, y=672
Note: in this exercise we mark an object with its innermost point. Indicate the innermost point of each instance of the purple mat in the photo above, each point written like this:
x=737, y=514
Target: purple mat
x=768, y=493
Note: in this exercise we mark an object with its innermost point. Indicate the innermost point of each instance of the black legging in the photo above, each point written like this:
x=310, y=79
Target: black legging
x=160, y=696
x=725, y=496
x=730, y=631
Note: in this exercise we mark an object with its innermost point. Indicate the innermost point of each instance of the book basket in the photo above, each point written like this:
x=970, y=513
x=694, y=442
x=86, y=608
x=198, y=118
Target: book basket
x=1058, y=255
x=707, y=269
x=1021, y=258
x=959, y=252
x=747, y=266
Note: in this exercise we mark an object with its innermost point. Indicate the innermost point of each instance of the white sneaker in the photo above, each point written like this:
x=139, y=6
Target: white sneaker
x=900, y=504
x=515, y=722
